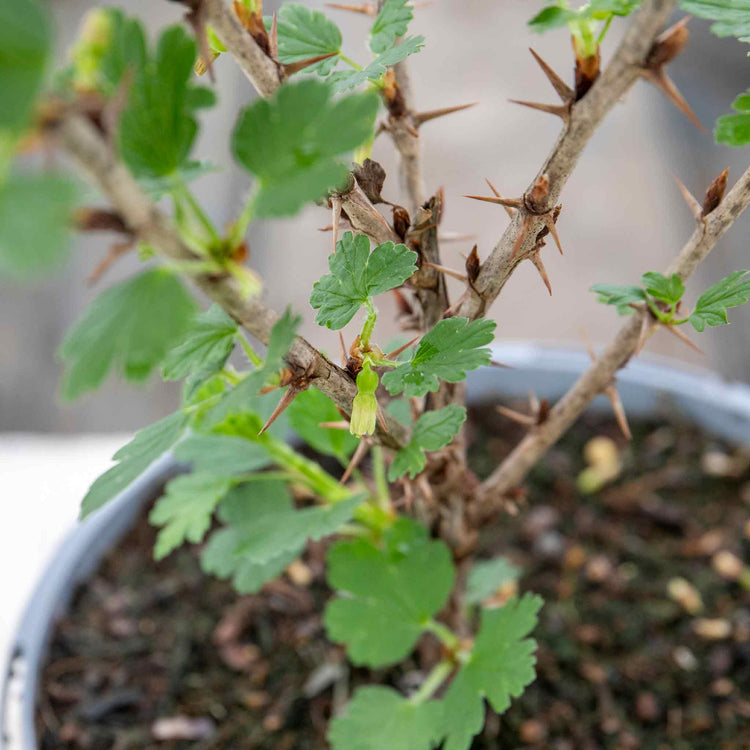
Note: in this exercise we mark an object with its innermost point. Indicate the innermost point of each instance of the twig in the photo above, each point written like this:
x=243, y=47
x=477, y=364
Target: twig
x=84, y=143
x=595, y=380
x=623, y=71
x=260, y=69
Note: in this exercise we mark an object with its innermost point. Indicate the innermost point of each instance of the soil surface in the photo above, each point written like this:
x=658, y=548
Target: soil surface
x=644, y=640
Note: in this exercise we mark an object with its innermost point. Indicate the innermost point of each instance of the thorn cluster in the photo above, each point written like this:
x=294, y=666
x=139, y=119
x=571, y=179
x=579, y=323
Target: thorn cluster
x=566, y=94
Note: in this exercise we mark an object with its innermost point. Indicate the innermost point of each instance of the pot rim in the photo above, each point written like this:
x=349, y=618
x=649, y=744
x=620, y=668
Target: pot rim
x=718, y=405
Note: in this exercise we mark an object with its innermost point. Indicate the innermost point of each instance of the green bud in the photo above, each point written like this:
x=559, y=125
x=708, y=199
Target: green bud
x=87, y=54
x=365, y=406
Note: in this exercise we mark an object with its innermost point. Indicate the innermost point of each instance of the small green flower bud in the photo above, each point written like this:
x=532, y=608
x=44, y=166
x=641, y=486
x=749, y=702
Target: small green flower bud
x=365, y=406
x=95, y=37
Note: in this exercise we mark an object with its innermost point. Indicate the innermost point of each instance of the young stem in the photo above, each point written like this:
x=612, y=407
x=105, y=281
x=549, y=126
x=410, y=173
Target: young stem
x=185, y=201
x=432, y=683
x=604, y=30
x=349, y=61
x=239, y=228
x=381, y=482
x=250, y=353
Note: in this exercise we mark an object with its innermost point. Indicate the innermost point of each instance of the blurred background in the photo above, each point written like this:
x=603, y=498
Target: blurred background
x=622, y=212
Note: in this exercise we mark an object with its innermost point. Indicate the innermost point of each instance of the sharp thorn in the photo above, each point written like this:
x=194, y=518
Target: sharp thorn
x=273, y=37
x=563, y=90
x=516, y=416
x=559, y=110
x=344, y=354
x=295, y=67
x=508, y=209
x=342, y=425
x=693, y=205
x=664, y=83
x=589, y=345
x=336, y=217
x=619, y=410
x=289, y=395
x=455, y=237
x=424, y=485
x=359, y=454
x=683, y=337
x=447, y=271
x=381, y=420
x=501, y=365
x=536, y=259
x=550, y=224
x=508, y=202
x=396, y=352
x=115, y=251
x=367, y=9
x=422, y=117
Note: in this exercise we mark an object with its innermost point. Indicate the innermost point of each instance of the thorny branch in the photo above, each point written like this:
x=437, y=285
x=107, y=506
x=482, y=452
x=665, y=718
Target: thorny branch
x=84, y=143
x=600, y=375
x=626, y=67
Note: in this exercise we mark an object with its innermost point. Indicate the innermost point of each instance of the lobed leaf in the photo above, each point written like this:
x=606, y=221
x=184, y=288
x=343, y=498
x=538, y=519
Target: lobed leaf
x=205, y=347
x=386, y=594
x=356, y=275
x=158, y=126
x=732, y=17
x=130, y=327
x=304, y=33
x=450, y=350
x=344, y=80
x=291, y=142
x=222, y=455
x=622, y=297
x=25, y=45
x=185, y=510
x=433, y=430
x=500, y=666
x=133, y=459
x=734, y=130
x=35, y=221
x=669, y=290
x=711, y=307
x=392, y=21
x=378, y=717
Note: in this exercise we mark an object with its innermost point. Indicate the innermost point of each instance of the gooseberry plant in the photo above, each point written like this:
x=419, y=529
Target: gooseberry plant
x=401, y=527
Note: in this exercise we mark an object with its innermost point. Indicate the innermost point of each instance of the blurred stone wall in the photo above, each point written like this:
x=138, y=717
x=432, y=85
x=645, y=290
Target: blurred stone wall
x=622, y=213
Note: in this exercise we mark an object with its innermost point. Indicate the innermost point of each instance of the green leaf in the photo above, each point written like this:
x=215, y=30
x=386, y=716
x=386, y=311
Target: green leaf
x=347, y=79
x=734, y=130
x=35, y=220
x=387, y=594
x=487, y=576
x=25, y=40
x=291, y=142
x=601, y=9
x=156, y=187
x=378, y=718
x=450, y=350
x=241, y=509
x=619, y=296
x=392, y=21
x=669, y=290
x=133, y=459
x=433, y=430
x=130, y=327
x=711, y=307
x=185, y=511
x=222, y=455
x=158, y=127
x=732, y=17
x=267, y=539
x=205, y=347
x=552, y=17
x=282, y=337
x=307, y=412
x=356, y=275
x=500, y=666
x=304, y=33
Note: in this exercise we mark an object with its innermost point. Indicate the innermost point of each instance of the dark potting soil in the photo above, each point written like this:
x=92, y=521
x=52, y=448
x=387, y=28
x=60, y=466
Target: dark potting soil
x=630, y=655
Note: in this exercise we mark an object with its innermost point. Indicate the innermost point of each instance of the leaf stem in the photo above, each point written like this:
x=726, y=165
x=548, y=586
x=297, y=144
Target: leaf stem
x=369, y=325
x=444, y=634
x=432, y=683
x=239, y=228
x=604, y=30
x=250, y=353
x=186, y=200
x=349, y=61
